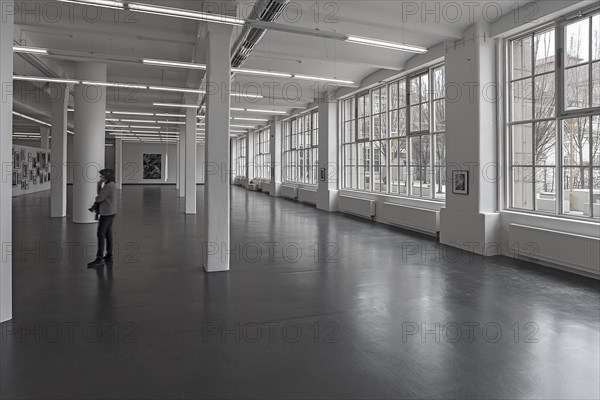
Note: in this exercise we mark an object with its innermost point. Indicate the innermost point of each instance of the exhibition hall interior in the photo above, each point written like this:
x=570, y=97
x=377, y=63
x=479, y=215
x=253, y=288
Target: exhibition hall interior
x=307, y=199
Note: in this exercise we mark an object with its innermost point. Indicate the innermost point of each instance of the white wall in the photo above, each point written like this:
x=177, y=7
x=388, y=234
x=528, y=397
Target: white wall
x=133, y=165
x=33, y=188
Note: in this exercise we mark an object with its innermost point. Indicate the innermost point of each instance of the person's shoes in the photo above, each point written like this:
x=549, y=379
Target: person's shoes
x=108, y=258
x=96, y=263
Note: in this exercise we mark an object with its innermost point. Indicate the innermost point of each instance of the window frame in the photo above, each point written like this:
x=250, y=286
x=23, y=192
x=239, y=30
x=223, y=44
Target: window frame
x=295, y=127
x=561, y=115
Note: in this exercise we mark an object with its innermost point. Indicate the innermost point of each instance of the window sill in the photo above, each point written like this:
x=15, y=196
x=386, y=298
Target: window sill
x=557, y=218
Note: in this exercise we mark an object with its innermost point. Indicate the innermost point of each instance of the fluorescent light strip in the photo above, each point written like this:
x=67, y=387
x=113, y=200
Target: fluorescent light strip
x=112, y=84
x=242, y=126
x=260, y=72
x=174, y=89
x=386, y=45
x=187, y=14
x=249, y=119
x=145, y=127
x=318, y=78
x=27, y=49
x=116, y=126
x=171, y=122
x=259, y=111
x=139, y=121
x=175, y=105
x=43, y=79
x=171, y=115
x=100, y=3
x=176, y=64
x=31, y=119
x=131, y=113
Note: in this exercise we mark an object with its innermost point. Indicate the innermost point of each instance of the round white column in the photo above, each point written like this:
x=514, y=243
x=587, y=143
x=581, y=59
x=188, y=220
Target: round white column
x=88, y=142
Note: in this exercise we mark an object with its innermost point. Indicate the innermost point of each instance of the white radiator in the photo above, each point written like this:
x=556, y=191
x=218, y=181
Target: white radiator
x=357, y=206
x=420, y=219
x=289, y=192
x=307, y=195
x=573, y=251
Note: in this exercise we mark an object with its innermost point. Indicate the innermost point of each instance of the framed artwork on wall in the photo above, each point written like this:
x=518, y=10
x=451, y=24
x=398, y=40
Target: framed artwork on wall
x=460, y=182
x=152, y=166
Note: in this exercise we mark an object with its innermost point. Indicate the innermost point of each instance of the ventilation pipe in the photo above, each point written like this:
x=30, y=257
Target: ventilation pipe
x=265, y=11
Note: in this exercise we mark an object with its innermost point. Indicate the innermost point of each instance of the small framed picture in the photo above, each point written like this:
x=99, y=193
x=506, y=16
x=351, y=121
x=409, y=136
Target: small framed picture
x=460, y=182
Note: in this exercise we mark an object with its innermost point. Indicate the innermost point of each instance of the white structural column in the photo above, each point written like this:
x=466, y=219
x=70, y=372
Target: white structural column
x=471, y=222
x=44, y=137
x=6, y=72
x=88, y=143
x=181, y=162
x=58, y=151
x=119, y=163
x=275, y=150
x=217, y=179
x=178, y=171
x=190, y=161
x=327, y=192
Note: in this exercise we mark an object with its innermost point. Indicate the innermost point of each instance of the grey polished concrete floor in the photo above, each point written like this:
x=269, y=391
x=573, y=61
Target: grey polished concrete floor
x=375, y=312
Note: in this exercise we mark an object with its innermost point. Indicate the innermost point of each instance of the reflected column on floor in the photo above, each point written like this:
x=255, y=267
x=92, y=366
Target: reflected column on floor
x=181, y=162
x=217, y=179
x=88, y=143
x=119, y=163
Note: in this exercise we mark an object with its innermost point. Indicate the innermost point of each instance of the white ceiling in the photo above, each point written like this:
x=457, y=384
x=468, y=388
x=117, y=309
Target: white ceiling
x=147, y=36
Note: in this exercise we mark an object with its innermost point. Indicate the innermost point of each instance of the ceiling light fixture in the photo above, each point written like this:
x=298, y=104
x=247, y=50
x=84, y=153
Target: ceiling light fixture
x=175, y=105
x=385, y=44
x=182, y=13
x=318, y=78
x=249, y=119
x=260, y=72
x=43, y=79
x=174, y=89
x=31, y=50
x=177, y=64
x=31, y=119
x=131, y=113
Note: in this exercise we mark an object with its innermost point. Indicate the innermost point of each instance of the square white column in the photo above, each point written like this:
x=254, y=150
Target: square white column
x=44, y=137
x=190, y=161
x=58, y=152
x=181, y=162
x=119, y=163
x=217, y=179
x=275, y=150
x=327, y=192
x=7, y=10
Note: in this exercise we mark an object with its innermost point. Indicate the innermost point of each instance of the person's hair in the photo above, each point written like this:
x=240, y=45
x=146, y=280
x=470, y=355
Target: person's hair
x=108, y=174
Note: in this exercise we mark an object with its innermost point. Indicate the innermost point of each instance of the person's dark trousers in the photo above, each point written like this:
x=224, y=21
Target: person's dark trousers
x=105, y=235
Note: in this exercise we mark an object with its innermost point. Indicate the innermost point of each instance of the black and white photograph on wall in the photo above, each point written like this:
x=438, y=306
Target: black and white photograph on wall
x=152, y=166
x=15, y=177
x=460, y=182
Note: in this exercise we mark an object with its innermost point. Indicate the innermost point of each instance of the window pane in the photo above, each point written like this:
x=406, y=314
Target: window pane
x=402, y=93
x=402, y=122
x=596, y=84
x=596, y=141
x=521, y=58
x=522, y=146
x=545, y=190
x=380, y=166
x=403, y=170
x=393, y=87
x=394, y=123
x=425, y=117
x=595, y=206
x=544, y=52
x=439, y=115
x=415, y=119
x=521, y=92
x=576, y=142
x=576, y=191
x=596, y=37
x=522, y=180
x=545, y=143
x=394, y=166
x=439, y=83
x=376, y=127
x=415, y=90
x=545, y=94
x=440, y=165
x=577, y=88
x=424, y=88
x=577, y=36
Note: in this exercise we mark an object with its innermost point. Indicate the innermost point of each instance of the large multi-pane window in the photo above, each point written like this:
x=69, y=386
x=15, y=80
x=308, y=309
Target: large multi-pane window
x=239, y=157
x=554, y=119
x=262, y=154
x=300, y=148
x=393, y=137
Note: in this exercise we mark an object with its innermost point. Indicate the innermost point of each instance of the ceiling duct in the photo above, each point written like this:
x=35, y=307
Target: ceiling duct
x=265, y=11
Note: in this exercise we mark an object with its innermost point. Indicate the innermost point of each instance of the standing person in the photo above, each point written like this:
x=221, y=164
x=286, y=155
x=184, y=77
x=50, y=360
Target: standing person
x=106, y=202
